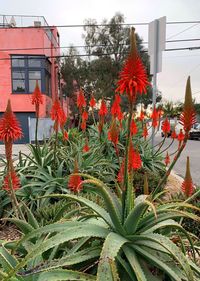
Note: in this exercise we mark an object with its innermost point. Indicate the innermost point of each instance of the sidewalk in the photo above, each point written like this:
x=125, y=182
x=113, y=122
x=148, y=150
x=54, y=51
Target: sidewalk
x=16, y=149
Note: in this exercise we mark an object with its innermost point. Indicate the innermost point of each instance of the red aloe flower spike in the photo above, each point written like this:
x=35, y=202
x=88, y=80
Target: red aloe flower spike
x=145, y=131
x=86, y=147
x=135, y=161
x=142, y=115
x=15, y=181
x=103, y=109
x=116, y=109
x=187, y=185
x=133, y=128
x=83, y=125
x=58, y=115
x=37, y=98
x=75, y=180
x=173, y=134
x=167, y=159
x=10, y=129
x=113, y=132
x=188, y=116
x=65, y=136
x=81, y=100
x=166, y=126
x=100, y=126
x=92, y=101
x=85, y=115
x=133, y=77
x=180, y=137
x=154, y=117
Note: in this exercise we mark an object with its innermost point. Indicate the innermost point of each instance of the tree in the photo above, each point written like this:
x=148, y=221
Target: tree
x=172, y=110
x=107, y=46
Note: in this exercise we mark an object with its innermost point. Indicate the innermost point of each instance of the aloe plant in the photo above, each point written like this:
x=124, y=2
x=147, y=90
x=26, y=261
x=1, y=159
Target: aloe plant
x=129, y=250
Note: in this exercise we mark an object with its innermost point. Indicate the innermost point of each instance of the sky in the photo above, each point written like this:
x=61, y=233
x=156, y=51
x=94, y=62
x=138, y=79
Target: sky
x=176, y=65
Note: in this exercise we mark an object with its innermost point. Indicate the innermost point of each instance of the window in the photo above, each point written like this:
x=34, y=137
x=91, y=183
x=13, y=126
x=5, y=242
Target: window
x=26, y=70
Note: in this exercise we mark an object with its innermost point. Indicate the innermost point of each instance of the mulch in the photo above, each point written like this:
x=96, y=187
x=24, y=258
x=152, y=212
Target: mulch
x=9, y=232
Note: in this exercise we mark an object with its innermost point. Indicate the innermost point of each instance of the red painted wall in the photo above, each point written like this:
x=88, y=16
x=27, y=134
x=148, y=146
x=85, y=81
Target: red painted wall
x=19, y=38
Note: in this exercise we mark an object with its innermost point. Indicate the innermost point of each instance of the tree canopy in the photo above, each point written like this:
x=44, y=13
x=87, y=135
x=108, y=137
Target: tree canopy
x=107, y=46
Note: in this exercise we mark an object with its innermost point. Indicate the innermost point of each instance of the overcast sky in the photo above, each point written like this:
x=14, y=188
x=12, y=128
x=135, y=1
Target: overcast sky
x=176, y=65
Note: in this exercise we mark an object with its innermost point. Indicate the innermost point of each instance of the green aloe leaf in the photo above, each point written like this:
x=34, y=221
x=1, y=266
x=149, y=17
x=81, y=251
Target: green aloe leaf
x=82, y=230
x=95, y=207
x=134, y=262
x=7, y=260
x=157, y=262
x=65, y=275
x=111, y=247
x=172, y=249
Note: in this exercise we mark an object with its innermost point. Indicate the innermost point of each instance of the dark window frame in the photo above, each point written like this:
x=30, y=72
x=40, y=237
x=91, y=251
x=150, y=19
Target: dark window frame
x=45, y=66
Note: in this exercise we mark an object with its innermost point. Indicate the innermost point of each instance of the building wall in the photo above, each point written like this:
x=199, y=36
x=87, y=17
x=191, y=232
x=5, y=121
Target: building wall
x=22, y=38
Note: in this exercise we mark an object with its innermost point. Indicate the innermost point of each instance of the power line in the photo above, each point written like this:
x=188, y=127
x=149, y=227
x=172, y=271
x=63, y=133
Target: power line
x=107, y=24
x=92, y=46
x=102, y=54
x=183, y=30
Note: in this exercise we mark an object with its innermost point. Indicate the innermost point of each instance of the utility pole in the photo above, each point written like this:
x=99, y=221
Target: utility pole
x=157, y=38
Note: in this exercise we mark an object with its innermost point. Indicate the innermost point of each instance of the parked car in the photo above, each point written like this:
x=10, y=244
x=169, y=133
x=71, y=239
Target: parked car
x=195, y=132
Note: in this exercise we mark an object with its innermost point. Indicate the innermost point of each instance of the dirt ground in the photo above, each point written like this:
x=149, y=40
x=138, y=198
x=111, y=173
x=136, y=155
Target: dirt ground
x=9, y=232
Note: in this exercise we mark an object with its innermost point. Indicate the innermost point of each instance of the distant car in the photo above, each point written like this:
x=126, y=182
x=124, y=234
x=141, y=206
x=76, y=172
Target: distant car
x=195, y=132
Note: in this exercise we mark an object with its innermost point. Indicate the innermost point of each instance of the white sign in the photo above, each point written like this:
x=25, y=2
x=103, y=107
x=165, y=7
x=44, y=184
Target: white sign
x=156, y=43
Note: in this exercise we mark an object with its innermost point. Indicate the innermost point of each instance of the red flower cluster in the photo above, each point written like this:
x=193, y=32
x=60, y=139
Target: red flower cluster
x=133, y=128
x=180, y=137
x=37, y=98
x=155, y=118
x=92, y=101
x=173, y=134
x=102, y=113
x=132, y=78
x=75, y=180
x=10, y=129
x=167, y=159
x=58, y=115
x=85, y=115
x=116, y=109
x=166, y=126
x=83, y=125
x=142, y=115
x=145, y=131
x=134, y=159
x=84, y=120
x=113, y=132
x=81, y=100
x=65, y=136
x=15, y=181
x=86, y=147
x=103, y=109
x=187, y=185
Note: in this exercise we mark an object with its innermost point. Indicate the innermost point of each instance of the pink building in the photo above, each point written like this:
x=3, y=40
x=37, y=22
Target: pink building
x=28, y=52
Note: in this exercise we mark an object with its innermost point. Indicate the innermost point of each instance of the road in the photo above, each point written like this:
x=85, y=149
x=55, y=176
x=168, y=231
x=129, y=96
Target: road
x=192, y=150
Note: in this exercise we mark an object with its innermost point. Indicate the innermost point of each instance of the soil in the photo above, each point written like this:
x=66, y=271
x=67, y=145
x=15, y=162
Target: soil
x=9, y=232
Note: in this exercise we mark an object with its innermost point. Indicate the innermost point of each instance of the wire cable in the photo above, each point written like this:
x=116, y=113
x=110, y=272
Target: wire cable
x=92, y=46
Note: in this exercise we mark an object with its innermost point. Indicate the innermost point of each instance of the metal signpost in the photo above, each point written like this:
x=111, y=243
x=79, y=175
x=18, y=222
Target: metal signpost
x=156, y=44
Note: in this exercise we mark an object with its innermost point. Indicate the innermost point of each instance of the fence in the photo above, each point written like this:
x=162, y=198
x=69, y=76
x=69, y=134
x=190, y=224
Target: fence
x=45, y=128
